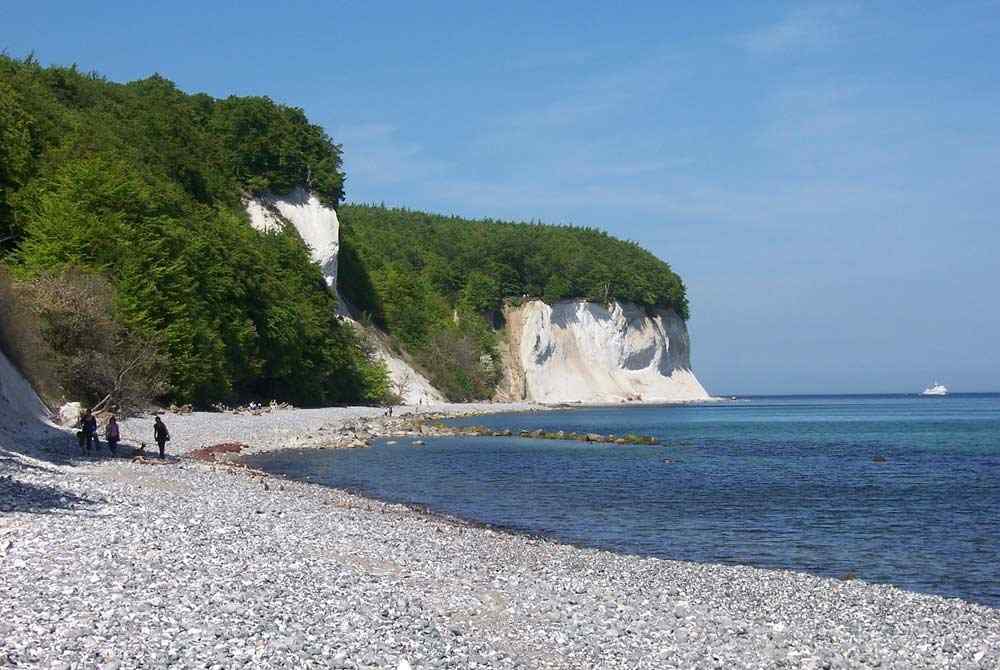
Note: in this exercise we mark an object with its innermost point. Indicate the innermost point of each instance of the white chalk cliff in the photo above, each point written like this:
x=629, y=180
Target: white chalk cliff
x=314, y=222
x=25, y=422
x=578, y=351
x=412, y=387
x=573, y=351
x=319, y=229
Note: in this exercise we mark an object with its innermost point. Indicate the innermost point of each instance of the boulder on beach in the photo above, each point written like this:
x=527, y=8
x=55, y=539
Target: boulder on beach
x=69, y=414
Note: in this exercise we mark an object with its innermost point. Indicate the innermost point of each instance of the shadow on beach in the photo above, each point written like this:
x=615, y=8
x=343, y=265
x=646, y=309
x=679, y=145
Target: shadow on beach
x=34, y=443
x=34, y=498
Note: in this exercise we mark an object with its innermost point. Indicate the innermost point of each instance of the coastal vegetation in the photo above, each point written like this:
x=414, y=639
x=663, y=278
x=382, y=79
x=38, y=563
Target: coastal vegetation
x=139, y=189
x=62, y=333
x=479, y=263
x=437, y=283
x=142, y=184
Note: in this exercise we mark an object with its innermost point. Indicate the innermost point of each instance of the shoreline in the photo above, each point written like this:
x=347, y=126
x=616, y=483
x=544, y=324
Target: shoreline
x=326, y=428
x=119, y=564
x=426, y=511
x=331, y=427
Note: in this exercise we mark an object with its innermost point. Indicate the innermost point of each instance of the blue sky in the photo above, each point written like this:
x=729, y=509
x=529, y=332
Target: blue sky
x=825, y=176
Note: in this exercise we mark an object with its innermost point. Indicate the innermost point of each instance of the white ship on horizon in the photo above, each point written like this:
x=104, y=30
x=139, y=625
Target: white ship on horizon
x=935, y=389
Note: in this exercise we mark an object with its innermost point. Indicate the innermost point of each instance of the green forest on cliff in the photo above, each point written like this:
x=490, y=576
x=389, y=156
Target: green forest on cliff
x=142, y=183
x=135, y=192
x=437, y=283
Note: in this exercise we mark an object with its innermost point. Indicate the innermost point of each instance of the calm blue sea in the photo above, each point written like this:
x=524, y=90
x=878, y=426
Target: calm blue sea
x=776, y=482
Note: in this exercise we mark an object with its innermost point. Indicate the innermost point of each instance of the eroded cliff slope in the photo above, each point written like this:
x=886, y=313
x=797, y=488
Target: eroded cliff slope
x=24, y=420
x=318, y=227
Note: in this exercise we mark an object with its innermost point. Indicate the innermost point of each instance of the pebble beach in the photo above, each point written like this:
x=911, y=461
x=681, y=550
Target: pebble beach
x=110, y=563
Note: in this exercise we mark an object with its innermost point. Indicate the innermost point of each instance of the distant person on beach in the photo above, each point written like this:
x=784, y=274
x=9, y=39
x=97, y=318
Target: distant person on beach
x=88, y=424
x=161, y=436
x=112, y=434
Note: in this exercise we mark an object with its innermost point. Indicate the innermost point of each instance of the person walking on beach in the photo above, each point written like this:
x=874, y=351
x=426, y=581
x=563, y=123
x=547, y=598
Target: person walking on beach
x=161, y=436
x=88, y=424
x=112, y=434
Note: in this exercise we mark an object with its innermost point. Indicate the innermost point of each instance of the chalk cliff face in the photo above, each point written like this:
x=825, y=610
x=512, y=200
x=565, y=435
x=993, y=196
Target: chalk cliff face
x=577, y=351
x=24, y=419
x=315, y=223
x=573, y=351
x=319, y=228
x=413, y=387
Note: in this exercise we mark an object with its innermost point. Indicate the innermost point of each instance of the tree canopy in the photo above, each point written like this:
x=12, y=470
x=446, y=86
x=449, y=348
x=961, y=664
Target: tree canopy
x=144, y=184
x=437, y=283
x=481, y=262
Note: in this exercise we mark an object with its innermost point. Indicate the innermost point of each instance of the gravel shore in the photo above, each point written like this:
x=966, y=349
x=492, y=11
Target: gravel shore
x=115, y=564
x=296, y=428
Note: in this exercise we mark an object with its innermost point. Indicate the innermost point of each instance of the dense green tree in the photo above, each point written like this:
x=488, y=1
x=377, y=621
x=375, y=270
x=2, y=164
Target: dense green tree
x=486, y=261
x=408, y=302
x=273, y=147
x=557, y=288
x=437, y=283
x=16, y=156
x=144, y=184
x=481, y=293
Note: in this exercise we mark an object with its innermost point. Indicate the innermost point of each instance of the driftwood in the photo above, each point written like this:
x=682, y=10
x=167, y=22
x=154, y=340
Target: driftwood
x=141, y=355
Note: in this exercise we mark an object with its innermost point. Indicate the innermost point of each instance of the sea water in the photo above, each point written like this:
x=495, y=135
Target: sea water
x=895, y=489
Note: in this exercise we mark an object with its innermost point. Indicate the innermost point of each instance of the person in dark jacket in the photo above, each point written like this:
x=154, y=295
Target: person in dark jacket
x=88, y=423
x=112, y=434
x=161, y=436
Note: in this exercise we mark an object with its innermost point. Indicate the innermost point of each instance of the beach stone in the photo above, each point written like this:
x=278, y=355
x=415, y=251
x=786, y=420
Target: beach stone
x=197, y=565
